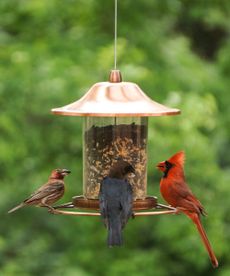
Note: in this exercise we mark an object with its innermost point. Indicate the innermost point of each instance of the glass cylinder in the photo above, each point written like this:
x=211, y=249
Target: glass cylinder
x=105, y=139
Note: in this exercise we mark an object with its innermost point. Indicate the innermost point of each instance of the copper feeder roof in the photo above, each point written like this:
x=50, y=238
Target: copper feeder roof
x=115, y=98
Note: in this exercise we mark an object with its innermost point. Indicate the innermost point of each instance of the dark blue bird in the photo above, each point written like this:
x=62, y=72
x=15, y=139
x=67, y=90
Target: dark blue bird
x=115, y=199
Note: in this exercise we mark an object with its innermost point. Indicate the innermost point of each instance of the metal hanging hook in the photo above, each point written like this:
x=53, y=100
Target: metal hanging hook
x=115, y=75
x=115, y=35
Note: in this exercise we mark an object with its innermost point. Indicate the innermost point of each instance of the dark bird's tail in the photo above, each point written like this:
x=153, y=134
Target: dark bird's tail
x=115, y=234
x=16, y=208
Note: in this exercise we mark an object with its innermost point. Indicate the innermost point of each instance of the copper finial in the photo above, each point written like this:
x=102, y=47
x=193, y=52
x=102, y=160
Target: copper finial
x=115, y=76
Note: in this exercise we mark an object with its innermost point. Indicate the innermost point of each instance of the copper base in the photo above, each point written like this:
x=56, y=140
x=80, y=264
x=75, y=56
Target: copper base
x=81, y=202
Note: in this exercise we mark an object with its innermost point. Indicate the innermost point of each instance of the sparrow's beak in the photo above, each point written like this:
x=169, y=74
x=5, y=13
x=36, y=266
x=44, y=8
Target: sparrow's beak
x=65, y=172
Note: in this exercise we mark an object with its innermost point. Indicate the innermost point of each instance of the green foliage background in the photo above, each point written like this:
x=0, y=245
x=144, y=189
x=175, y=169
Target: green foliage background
x=51, y=52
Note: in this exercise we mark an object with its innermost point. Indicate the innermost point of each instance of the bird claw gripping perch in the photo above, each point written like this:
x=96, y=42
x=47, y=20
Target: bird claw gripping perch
x=179, y=210
x=53, y=211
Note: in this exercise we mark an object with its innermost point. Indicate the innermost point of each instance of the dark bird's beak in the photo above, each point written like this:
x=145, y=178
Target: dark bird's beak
x=132, y=169
x=65, y=172
x=131, y=172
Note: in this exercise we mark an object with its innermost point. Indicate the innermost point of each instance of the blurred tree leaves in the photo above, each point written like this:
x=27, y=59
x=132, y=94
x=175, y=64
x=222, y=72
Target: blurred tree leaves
x=51, y=52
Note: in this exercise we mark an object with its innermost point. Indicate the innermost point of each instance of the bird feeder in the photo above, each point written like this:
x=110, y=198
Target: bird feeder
x=115, y=126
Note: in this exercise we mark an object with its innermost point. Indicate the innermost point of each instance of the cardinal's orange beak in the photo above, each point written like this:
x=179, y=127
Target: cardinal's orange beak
x=161, y=166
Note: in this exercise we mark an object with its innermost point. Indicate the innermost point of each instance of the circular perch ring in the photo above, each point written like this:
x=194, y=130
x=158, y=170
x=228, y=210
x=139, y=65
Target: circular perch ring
x=81, y=202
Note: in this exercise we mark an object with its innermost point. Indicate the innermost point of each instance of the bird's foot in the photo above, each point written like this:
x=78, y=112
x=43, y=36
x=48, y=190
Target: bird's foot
x=53, y=211
x=178, y=210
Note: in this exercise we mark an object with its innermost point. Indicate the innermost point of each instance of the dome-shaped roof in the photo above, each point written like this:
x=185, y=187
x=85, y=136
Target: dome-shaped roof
x=115, y=99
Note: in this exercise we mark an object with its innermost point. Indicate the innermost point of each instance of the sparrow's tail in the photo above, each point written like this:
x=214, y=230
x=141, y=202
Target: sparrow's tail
x=16, y=208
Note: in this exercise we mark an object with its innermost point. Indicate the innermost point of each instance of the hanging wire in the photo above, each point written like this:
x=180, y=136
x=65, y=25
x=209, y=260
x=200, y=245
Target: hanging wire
x=115, y=35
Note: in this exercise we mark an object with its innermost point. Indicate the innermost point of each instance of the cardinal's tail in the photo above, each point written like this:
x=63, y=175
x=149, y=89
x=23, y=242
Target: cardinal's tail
x=115, y=233
x=16, y=208
x=205, y=240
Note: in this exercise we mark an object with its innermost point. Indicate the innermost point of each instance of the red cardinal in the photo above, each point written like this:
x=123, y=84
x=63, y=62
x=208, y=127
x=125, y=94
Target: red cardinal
x=176, y=192
x=48, y=193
